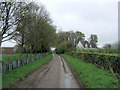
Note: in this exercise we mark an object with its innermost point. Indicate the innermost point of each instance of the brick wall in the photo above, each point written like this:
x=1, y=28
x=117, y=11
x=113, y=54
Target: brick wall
x=8, y=50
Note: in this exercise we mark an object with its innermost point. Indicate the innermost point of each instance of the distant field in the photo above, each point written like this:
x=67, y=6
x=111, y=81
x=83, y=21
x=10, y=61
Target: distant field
x=90, y=75
x=13, y=57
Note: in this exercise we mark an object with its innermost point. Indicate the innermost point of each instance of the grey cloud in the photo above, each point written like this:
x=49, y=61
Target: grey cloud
x=100, y=18
x=89, y=17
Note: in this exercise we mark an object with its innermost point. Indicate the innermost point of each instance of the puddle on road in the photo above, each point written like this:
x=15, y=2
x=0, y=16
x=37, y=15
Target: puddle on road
x=66, y=76
x=63, y=65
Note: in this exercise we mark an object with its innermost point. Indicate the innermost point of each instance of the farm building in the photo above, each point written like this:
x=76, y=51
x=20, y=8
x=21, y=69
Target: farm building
x=8, y=50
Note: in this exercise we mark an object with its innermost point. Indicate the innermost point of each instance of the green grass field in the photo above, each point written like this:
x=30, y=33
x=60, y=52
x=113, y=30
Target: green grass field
x=90, y=75
x=11, y=77
x=13, y=57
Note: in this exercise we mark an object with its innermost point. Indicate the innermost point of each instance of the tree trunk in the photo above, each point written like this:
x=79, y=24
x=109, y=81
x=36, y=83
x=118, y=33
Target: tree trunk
x=111, y=69
x=0, y=39
x=0, y=43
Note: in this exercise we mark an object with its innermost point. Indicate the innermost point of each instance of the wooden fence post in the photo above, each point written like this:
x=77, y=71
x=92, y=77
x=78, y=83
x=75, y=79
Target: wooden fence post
x=119, y=81
x=8, y=62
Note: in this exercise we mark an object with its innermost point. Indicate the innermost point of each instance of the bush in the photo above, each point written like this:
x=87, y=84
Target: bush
x=65, y=47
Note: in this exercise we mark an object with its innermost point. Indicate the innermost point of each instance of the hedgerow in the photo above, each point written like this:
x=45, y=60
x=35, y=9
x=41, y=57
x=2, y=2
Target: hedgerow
x=106, y=61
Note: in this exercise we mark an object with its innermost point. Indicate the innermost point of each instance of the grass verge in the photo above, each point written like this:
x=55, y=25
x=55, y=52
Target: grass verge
x=13, y=76
x=90, y=75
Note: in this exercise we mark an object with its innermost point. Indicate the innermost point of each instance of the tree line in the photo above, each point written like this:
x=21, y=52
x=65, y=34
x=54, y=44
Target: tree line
x=29, y=24
x=68, y=41
x=76, y=37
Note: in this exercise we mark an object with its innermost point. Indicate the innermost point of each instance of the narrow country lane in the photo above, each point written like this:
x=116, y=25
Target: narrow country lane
x=56, y=74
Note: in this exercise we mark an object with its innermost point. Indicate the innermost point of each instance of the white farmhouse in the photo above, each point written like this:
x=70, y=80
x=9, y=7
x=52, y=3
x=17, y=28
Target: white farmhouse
x=85, y=45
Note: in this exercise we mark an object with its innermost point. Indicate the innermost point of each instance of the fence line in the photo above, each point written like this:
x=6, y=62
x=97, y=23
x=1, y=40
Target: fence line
x=6, y=67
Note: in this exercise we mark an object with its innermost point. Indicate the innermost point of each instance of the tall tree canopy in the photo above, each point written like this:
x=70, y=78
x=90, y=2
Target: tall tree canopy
x=29, y=24
x=8, y=19
x=71, y=36
x=93, y=38
x=35, y=32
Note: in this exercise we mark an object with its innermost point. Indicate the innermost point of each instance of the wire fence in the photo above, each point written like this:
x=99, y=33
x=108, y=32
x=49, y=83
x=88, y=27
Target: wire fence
x=6, y=67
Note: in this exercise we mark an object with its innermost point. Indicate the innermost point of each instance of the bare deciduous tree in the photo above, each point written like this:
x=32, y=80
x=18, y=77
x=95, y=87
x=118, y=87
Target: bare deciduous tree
x=8, y=19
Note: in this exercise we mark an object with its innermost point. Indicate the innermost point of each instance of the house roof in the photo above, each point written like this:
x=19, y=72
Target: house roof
x=92, y=44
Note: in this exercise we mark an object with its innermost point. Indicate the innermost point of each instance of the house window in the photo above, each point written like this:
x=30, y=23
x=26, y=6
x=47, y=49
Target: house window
x=3, y=49
x=14, y=49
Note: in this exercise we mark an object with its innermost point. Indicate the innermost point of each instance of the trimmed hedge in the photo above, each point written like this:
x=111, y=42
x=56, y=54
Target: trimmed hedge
x=106, y=61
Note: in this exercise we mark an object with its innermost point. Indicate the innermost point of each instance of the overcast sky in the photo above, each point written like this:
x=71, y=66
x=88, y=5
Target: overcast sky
x=88, y=16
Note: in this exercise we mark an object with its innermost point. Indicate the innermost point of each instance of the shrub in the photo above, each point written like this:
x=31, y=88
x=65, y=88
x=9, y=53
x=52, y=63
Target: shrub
x=65, y=47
